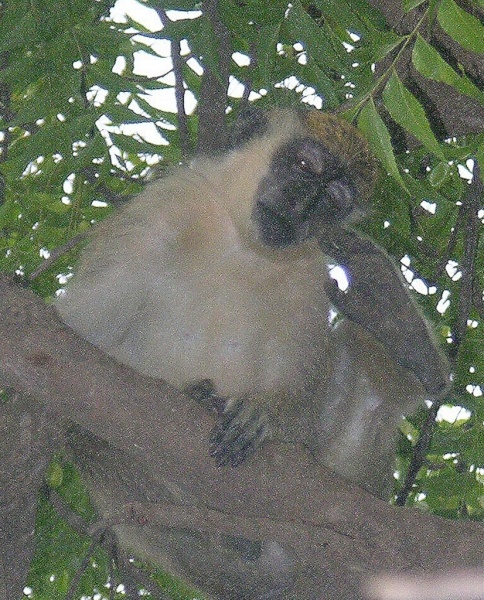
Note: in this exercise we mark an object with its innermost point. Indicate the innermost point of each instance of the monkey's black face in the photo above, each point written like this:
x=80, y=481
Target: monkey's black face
x=305, y=189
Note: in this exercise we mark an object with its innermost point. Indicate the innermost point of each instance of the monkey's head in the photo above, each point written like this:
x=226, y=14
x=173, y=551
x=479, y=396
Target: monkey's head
x=318, y=171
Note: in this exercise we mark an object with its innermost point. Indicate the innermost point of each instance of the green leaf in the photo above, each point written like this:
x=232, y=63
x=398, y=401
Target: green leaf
x=429, y=63
x=14, y=37
x=372, y=125
x=439, y=174
x=262, y=12
x=369, y=15
x=303, y=29
x=54, y=474
x=314, y=76
x=266, y=42
x=119, y=113
x=409, y=5
x=341, y=14
x=203, y=42
x=461, y=26
x=382, y=44
x=129, y=144
x=56, y=137
x=409, y=431
x=407, y=111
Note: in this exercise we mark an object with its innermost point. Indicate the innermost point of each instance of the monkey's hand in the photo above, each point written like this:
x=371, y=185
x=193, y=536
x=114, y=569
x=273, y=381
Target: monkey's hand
x=245, y=424
x=205, y=393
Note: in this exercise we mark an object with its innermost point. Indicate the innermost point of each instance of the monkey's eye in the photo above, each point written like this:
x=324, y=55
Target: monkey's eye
x=304, y=165
x=308, y=164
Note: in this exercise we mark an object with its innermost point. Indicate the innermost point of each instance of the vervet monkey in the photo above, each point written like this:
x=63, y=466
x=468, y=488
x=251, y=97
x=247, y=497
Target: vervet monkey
x=215, y=273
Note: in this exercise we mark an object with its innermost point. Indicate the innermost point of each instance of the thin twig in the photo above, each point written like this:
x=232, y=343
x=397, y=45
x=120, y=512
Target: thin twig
x=178, y=63
x=454, y=236
x=102, y=535
x=183, y=132
x=253, y=65
x=419, y=455
x=478, y=298
x=56, y=254
x=78, y=524
x=472, y=204
x=135, y=577
x=80, y=571
x=212, y=126
x=6, y=113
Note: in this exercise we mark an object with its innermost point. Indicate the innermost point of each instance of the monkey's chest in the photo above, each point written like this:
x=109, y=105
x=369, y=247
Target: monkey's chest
x=247, y=330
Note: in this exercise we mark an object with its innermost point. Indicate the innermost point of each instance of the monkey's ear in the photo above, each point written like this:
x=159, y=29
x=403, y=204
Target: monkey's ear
x=251, y=122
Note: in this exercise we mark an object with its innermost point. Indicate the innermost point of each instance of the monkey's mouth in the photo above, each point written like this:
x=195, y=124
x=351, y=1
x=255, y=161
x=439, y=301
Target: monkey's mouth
x=276, y=229
x=304, y=214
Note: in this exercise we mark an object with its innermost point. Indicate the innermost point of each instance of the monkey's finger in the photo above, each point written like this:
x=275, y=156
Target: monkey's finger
x=235, y=420
x=232, y=441
x=225, y=441
x=239, y=450
x=221, y=443
x=248, y=447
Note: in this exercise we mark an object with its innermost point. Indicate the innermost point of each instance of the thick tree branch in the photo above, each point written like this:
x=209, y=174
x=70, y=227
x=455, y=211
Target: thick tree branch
x=280, y=494
x=212, y=128
x=183, y=132
x=28, y=437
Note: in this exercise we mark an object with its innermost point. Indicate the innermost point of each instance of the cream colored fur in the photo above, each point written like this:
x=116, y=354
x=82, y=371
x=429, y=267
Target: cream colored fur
x=178, y=286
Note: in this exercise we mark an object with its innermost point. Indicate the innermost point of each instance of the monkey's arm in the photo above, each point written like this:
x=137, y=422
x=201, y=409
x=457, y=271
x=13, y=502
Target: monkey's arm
x=378, y=301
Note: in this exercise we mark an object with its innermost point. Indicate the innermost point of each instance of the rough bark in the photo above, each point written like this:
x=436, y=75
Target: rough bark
x=28, y=437
x=339, y=534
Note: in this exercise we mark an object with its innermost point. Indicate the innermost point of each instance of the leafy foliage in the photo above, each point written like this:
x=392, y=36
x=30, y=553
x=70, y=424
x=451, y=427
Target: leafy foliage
x=82, y=121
